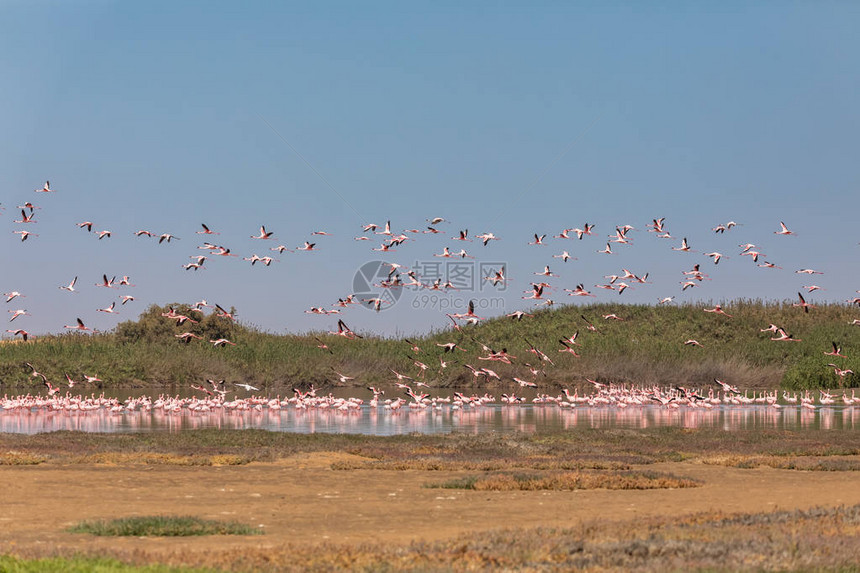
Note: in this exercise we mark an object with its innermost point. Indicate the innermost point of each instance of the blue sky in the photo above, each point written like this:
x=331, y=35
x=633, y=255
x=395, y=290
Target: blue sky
x=514, y=118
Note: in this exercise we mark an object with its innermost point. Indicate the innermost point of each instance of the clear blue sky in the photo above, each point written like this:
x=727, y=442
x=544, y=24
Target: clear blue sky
x=513, y=118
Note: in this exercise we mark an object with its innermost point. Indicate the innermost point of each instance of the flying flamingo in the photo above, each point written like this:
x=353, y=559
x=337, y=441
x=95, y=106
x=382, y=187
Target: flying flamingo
x=36, y=373
x=16, y=313
x=79, y=326
x=206, y=230
x=716, y=256
x=71, y=286
x=186, y=337
x=25, y=218
x=322, y=345
x=782, y=335
x=486, y=238
x=837, y=351
x=578, y=291
x=343, y=377
x=803, y=304
x=470, y=312
x=684, y=246
x=223, y=313
x=568, y=348
x=783, y=230
x=12, y=295
x=19, y=332
x=109, y=309
x=25, y=234
x=518, y=315
x=263, y=233
x=343, y=330
x=718, y=309
x=585, y=231
x=106, y=283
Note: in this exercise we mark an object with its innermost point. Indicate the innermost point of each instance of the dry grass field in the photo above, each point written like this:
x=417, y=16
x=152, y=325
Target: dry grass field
x=650, y=500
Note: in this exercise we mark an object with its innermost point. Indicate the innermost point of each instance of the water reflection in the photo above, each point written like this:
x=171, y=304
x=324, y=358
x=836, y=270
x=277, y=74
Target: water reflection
x=486, y=418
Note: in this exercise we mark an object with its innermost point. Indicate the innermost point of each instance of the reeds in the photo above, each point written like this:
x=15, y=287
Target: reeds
x=162, y=526
x=645, y=348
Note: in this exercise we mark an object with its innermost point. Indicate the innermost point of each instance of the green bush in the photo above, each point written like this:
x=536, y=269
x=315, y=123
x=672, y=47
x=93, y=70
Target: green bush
x=809, y=374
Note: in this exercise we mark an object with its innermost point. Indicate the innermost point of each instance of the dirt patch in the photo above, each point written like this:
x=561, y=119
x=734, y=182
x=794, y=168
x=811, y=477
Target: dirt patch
x=300, y=499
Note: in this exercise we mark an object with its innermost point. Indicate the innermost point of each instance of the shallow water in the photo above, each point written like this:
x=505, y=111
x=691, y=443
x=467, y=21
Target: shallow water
x=487, y=418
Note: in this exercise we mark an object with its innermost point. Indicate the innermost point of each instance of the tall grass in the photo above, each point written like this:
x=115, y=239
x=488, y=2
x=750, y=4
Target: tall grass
x=162, y=526
x=645, y=348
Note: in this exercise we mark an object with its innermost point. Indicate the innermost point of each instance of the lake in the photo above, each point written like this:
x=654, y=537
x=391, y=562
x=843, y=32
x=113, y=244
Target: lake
x=490, y=417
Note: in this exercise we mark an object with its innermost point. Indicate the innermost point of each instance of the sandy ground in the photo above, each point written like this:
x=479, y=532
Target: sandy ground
x=302, y=500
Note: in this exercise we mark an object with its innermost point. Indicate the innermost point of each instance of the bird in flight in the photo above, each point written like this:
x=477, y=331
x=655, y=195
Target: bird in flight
x=263, y=233
x=25, y=234
x=12, y=295
x=344, y=330
x=206, y=230
x=79, y=326
x=46, y=188
x=246, y=387
x=71, y=286
x=803, y=304
x=16, y=313
x=20, y=332
x=783, y=230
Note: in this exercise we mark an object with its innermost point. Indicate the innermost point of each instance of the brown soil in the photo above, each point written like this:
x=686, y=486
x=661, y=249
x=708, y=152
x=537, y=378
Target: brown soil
x=301, y=499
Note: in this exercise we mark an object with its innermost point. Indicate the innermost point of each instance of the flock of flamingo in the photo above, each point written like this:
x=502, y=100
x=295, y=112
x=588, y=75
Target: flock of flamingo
x=212, y=396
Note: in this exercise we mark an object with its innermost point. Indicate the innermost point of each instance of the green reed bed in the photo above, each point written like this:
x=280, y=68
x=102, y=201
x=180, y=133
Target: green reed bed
x=162, y=526
x=646, y=348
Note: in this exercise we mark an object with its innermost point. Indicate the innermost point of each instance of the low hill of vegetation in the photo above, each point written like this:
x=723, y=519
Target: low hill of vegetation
x=644, y=345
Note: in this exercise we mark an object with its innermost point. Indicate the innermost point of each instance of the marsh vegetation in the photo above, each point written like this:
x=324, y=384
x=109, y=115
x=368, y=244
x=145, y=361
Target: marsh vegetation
x=646, y=347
